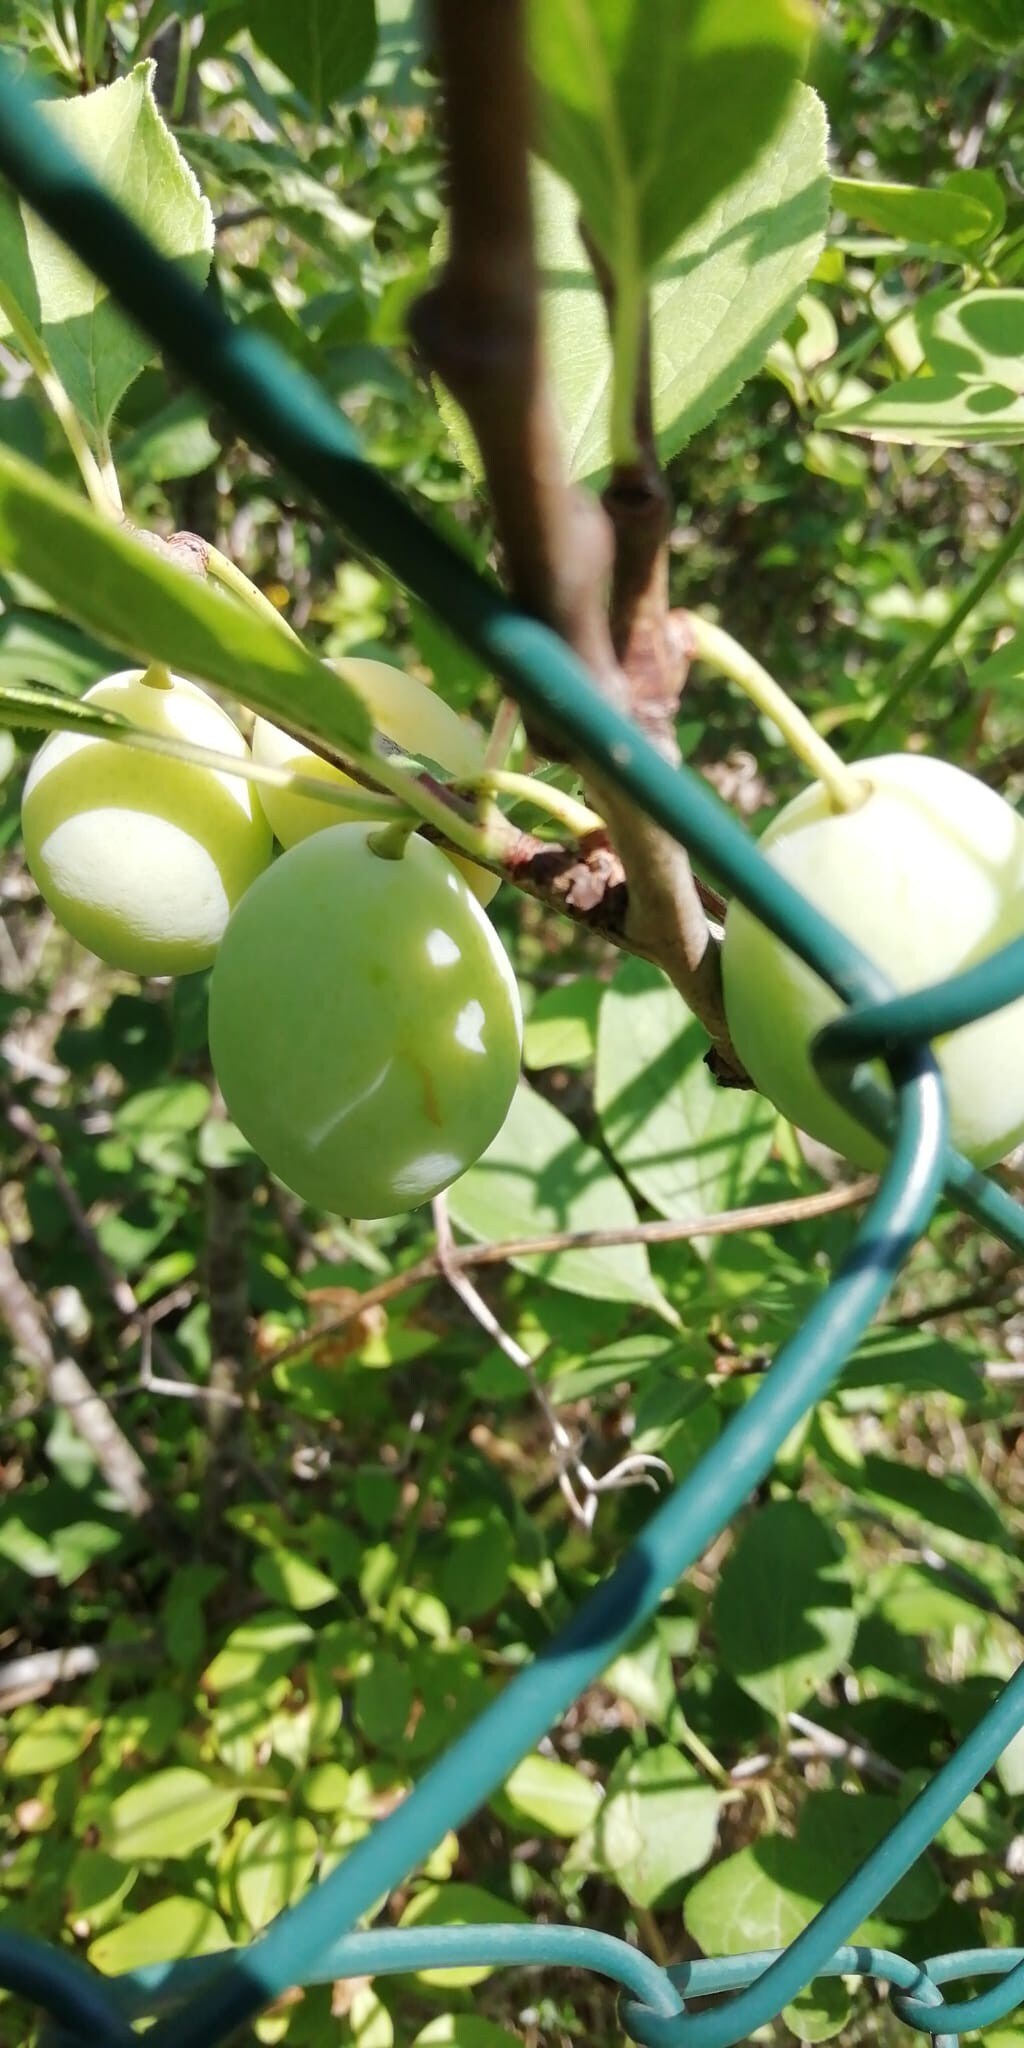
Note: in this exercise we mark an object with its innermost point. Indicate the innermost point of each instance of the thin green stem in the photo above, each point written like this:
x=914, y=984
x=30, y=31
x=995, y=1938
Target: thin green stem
x=182, y=71
x=25, y=711
x=567, y=810
x=715, y=646
x=32, y=348
x=109, y=473
x=503, y=733
x=224, y=571
x=441, y=1446
x=895, y=691
x=92, y=41
x=627, y=326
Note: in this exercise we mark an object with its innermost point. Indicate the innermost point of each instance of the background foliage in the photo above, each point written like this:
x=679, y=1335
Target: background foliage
x=348, y=1541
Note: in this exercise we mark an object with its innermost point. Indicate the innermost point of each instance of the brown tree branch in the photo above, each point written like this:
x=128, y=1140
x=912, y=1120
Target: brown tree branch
x=68, y=1388
x=457, y=1258
x=479, y=329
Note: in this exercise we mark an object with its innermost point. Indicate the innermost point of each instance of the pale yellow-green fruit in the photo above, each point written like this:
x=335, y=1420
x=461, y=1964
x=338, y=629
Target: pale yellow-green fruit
x=365, y=1025
x=927, y=877
x=419, y=721
x=140, y=857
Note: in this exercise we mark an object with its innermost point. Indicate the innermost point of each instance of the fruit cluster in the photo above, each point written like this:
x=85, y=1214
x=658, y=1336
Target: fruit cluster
x=365, y=1026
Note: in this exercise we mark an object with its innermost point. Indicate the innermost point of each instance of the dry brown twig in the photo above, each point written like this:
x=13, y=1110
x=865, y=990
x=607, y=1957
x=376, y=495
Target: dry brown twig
x=459, y=1258
x=69, y=1388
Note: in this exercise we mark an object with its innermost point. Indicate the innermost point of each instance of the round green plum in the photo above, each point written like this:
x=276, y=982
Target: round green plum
x=142, y=857
x=927, y=877
x=365, y=1025
x=418, y=720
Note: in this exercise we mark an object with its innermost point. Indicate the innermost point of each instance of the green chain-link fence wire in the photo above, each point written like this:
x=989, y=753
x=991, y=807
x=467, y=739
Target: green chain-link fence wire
x=199, y=2003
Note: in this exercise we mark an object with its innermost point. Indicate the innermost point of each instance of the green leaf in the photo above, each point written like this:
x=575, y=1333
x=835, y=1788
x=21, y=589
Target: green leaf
x=326, y=1788
x=689, y=1147
x=324, y=46
x=277, y=178
x=820, y=2012
x=998, y=22
x=286, y=1576
x=1004, y=670
x=658, y=1824
x=643, y=1677
x=97, y=1886
x=718, y=300
x=970, y=387
x=721, y=296
x=56, y=1737
x=165, y=1933
x=121, y=590
x=120, y=135
x=457, y=1905
x=383, y=1699
x=256, y=1652
x=561, y=1028
x=912, y=1361
x=649, y=110
x=168, y=1814
x=273, y=1866
x=38, y=646
x=967, y=207
x=764, y=1896
x=175, y=442
x=1010, y=1767
x=176, y=1106
x=539, y=1176
x=783, y=1613
x=552, y=1795
x=475, y=1570
x=945, y=1500
x=464, y=2030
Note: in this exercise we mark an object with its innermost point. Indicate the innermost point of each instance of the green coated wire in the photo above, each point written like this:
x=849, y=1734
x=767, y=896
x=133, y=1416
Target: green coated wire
x=289, y=417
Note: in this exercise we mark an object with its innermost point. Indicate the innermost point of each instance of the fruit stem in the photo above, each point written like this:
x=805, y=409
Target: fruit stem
x=712, y=644
x=566, y=810
x=390, y=843
x=224, y=571
x=157, y=677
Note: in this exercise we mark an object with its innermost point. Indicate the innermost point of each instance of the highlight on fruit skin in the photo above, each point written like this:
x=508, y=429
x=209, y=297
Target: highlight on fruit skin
x=927, y=878
x=365, y=1025
x=411, y=714
x=141, y=857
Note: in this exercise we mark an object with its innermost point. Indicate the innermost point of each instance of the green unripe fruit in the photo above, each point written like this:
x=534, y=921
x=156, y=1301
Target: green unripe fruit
x=927, y=878
x=420, y=722
x=364, y=1023
x=140, y=857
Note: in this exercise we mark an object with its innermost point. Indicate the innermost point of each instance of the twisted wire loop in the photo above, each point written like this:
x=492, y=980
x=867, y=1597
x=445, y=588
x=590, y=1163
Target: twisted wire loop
x=200, y=2003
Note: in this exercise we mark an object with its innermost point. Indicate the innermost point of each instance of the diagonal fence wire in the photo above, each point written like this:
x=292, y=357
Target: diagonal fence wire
x=286, y=414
